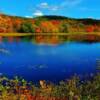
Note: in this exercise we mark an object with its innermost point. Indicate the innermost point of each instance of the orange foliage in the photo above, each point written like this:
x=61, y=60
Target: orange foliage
x=47, y=26
x=13, y=24
x=90, y=28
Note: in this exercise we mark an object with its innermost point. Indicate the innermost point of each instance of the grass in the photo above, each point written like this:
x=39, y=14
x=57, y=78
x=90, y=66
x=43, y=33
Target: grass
x=62, y=34
x=15, y=34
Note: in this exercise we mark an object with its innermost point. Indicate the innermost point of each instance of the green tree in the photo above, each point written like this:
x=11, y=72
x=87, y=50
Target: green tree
x=26, y=27
x=64, y=27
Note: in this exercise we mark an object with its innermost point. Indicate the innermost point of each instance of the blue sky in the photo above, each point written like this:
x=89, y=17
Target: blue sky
x=70, y=8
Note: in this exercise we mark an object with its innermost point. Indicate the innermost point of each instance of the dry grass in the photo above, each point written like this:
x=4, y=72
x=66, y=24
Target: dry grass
x=15, y=34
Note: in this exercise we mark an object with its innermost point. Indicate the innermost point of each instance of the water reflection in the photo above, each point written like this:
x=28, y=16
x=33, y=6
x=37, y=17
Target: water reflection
x=50, y=62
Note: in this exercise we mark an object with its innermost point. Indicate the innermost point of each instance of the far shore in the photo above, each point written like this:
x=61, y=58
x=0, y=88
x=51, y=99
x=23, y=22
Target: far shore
x=59, y=34
x=57, y=37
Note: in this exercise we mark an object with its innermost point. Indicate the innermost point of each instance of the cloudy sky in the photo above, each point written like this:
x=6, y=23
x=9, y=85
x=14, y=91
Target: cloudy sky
x=69, y=8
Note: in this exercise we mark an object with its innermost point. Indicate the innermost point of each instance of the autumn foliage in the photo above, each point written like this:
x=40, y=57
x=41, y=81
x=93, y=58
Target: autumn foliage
x=49, y=24
x=70, y=89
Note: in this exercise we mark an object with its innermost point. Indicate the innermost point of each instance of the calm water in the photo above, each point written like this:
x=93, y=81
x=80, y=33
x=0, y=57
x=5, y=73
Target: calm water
x=50, y=62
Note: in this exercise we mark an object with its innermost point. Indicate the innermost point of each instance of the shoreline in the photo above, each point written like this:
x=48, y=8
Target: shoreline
x=53, y=38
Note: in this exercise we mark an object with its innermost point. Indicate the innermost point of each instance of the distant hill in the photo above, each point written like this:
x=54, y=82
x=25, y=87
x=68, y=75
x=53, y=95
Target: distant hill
x=52, y=17
x=47, y=24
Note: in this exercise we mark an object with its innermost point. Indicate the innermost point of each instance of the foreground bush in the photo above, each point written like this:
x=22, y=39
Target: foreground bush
x=73, y=89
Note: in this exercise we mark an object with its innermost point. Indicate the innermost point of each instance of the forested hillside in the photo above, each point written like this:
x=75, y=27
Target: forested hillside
x=45, y=24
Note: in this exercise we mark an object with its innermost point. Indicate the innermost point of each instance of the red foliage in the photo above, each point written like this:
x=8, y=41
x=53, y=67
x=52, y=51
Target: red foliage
x=45, y=98
x=2, y=30
x=90, y=28
x=55, y=22
x=38, y=30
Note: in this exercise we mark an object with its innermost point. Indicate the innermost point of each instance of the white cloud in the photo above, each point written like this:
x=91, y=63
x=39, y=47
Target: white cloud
x=68, y=4
x=29, y=16
x=44, y=5
x=38, y=13
x=54, y=8
x=64, y=4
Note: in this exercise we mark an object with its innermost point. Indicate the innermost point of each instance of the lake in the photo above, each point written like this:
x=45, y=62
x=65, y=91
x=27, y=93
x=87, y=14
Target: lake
x=50, y=62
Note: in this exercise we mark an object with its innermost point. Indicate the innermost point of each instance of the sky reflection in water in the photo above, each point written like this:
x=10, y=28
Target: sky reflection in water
x=50, y=62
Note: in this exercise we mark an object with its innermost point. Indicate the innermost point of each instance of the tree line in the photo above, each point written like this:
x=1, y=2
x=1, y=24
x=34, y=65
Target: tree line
x=47, y=25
